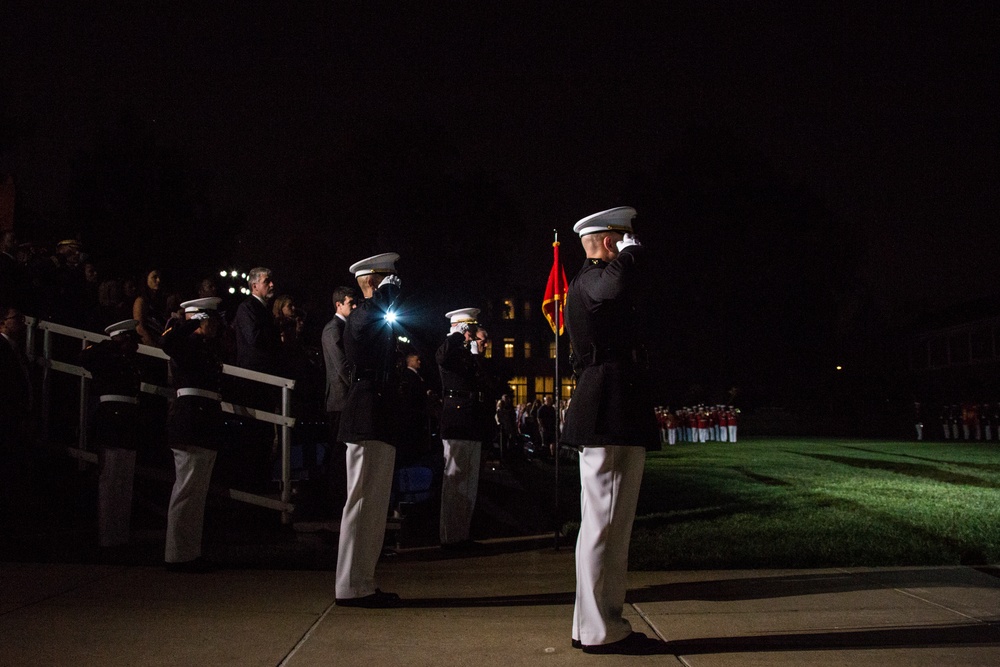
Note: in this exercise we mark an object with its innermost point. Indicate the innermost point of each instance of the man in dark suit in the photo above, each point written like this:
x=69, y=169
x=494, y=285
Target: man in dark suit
x=611, y=419
x=337, y=383
x=370, y=429
x=414, y=411
x=258, y=339
x=258, y=345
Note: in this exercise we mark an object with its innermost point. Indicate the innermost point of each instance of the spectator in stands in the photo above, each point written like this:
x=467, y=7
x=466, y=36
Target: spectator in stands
x=15, y=405
x=15, y=384
x=413, y=413
x=207, y=288
x=258, y=338
x=337, y=384
x=530, y=425
x=12, y=272
x=111, y=306
x=286, y=318
x=64, y=285
x=150, y=309
x=258, y=348
x=91, y=279
x=506, y=419
x=546, y=415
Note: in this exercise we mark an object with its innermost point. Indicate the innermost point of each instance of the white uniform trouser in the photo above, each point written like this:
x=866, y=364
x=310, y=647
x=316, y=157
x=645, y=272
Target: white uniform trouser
x=458, y=489
x=186, y=513
x=609, y=480
x=362, y=525
x=732, y=434
x=114, y=496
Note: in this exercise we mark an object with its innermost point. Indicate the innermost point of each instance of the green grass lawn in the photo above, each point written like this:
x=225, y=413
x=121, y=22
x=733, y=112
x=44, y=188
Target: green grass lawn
x=775, y=502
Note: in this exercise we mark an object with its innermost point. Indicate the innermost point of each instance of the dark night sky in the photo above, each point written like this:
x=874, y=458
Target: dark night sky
x=883, y=115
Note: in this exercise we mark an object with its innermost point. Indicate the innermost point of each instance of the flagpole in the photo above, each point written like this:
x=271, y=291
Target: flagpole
x=558, y=392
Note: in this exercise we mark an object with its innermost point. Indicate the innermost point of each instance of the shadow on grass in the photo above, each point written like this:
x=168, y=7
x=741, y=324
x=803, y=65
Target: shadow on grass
x=923, y=471
x=763, y=479
x=663, y=519
x=985, y=467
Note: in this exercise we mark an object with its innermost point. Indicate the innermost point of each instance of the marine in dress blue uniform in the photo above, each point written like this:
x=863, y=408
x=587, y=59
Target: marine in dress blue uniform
x=611, y=420
x=369, y=429
x=193, y=428
x=114, y=369
x=464, y=420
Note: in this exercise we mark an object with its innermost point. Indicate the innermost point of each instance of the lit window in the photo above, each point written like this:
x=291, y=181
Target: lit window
x=507, y=312
x=568, y=385
x=519, y=386
x=527, y=310
x=488, y=352
x=552, y=350
x=508, y=348
x=544, y=385
x=527, y=349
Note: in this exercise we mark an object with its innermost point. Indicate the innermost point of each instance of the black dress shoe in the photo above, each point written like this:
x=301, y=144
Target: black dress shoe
x=635, y=644
x=377, y=600
x=197, y=566
x=575, y=643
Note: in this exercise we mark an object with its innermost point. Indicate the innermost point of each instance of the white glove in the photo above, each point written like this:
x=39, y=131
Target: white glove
x=474, y=347
x=628, y=240
x=391, y=279
x=200, y=316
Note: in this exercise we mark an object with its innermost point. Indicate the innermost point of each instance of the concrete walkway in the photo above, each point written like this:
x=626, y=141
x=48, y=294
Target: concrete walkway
x=510, y=605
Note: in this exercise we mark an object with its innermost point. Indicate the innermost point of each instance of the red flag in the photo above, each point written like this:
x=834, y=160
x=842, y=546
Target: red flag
x=555, y=292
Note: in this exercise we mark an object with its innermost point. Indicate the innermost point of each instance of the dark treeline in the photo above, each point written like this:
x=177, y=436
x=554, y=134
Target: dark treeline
x=757, y=285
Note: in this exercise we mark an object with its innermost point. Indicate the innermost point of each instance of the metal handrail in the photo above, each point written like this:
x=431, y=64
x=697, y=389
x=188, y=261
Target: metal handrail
x=284, y=420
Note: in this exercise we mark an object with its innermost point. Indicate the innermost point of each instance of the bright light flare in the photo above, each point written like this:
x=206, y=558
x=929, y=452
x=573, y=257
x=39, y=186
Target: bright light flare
x=390, y=317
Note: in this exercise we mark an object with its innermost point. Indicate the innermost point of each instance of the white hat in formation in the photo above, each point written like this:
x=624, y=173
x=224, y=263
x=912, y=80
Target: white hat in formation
x=617, y=219
x=121, y=327
x=201, y=305
x=383, y=264
x=463, y=316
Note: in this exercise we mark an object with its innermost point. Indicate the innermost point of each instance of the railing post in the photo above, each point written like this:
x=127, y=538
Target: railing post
x=29, y=339
x=84, y=403
x=46, y=384
x=286, y=453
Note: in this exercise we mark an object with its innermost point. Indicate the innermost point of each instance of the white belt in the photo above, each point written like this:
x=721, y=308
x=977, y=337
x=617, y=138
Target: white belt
x=203, y=393
x=118, y=398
